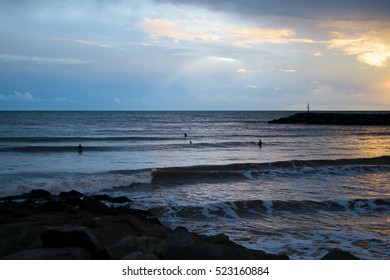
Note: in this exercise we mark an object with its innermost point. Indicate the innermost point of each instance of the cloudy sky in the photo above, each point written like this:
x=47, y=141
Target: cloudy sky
x=195, y=54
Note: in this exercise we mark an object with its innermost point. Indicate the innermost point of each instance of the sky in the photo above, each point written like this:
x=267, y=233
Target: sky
x=194, y=55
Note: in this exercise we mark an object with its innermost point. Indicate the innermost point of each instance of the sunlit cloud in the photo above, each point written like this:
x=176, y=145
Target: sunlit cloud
x=318, y=53
x=288, y=70
x=228, y=34
x=165, y=28
x=253, y=36
x=242, y=71
x=224, y=59
x=369, y=48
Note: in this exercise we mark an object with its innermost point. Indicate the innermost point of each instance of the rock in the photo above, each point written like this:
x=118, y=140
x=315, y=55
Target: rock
x=144, y=244
x=124, y=247
x=107, y=198
x=64, y=237
x=55, y=206
x=140, y=256
x=102, y=197
x=120, y=199
x=38, y=194
x=75, y=198
x=335, y=119
x=9, y=234
x=180, y=239
x=209, y=251
x=221, y=239
x=109, y=229
x=71, y=194
x=142, y=227
x=9, y=247
x=29, y=237
x=50, y=254
x=143, y=215
x=93, y=205
x=71, y=225
x=338, y=254
x=72, y=197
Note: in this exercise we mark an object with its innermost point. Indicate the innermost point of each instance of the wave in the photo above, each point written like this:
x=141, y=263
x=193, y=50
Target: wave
x=83, y=139
x=56, y=149
x=256, y=208
x=157, y=145
x=250, y=171
x=172, y=177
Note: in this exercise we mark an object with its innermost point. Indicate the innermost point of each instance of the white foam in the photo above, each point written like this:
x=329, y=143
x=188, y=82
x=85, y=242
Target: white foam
x=227, y=208
x=88, y=184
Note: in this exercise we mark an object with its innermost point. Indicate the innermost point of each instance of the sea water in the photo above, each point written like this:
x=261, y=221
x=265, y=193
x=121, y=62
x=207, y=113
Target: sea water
x=307, y=189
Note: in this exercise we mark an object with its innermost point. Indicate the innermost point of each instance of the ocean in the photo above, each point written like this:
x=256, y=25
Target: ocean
x=307, y=189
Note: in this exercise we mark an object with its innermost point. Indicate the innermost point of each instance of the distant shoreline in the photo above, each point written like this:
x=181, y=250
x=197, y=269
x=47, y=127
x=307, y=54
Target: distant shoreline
x=335, y=119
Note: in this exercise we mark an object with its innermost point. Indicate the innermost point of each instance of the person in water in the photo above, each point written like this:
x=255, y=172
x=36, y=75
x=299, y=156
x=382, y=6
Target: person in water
x=80, y=148
x=259, y=143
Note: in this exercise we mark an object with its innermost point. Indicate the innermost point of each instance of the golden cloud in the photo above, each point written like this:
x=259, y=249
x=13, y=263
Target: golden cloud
x=166, y=28
x=158, y=28
x=242, y=71
x=368, y=40
x=370, y=48
x=251, y=36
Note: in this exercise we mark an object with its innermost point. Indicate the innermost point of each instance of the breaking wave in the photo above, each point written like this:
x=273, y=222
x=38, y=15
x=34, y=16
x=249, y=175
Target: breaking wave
x=256, y=208
x=182, y=175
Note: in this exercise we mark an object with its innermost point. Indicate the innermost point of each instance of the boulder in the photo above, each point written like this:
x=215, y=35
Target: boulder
x=9, y=234
x=50, y=254
x=210, y=251
x=72, y=197
x=338, y=254
x=38, y=194
x=130, y=244
x=93, y=205
x=72, y=225
x=140, y=256
x=64, y=237
x=107, y=198
x=55, y=206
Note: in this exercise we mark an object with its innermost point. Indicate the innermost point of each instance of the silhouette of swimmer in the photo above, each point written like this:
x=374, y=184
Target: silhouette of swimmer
x=185, y=134
x=259, y=143
x=80, y=148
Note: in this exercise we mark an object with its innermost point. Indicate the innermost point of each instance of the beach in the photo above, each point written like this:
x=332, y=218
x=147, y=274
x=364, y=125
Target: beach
x=308, y=189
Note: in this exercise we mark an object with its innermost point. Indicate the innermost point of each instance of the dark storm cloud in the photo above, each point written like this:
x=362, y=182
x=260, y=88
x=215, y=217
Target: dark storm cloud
x=298, y=8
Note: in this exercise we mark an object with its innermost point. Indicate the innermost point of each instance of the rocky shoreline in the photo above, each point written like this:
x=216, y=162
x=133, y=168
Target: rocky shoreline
x=335, y=119
x=73, y=226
